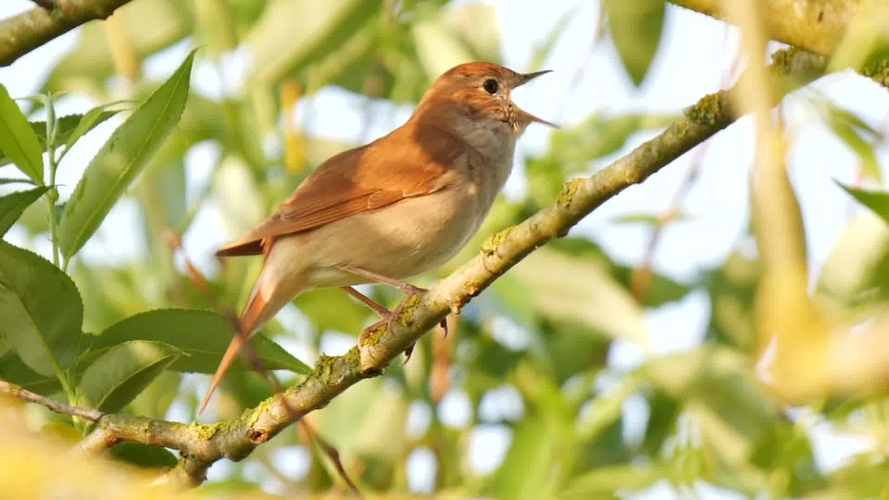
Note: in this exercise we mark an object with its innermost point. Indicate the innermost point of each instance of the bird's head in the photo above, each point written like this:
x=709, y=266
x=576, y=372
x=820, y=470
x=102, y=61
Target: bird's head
x=481, y=91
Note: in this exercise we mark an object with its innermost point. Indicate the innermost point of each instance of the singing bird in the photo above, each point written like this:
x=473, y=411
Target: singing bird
x=397, y=207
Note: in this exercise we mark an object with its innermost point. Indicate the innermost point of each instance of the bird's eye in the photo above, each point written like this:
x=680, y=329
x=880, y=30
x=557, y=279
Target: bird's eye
x=491, y=86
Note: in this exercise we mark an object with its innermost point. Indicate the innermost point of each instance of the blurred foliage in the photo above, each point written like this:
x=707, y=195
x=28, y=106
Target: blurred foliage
x=530, y=359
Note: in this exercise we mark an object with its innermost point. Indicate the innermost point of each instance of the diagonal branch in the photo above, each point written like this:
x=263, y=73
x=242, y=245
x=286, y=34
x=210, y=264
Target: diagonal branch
x=25, y=32
x=814, y=25
x=202, y=444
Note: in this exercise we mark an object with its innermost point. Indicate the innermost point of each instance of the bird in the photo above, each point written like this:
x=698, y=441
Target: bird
x=394, y=208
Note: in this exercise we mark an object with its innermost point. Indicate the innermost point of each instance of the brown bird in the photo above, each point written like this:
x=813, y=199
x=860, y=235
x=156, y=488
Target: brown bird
x=397, y=207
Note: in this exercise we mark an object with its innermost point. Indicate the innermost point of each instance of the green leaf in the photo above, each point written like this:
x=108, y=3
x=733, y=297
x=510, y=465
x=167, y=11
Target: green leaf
x=12, y=369
x=636, y=30
x=67, y=127
x=119, y=374
x=857, y=136
x=609, y=480
x=856, y=271
x=41, y=310
x=528, y=468
x=13, y=204
x=877, y=201
x=122, y=158
x=83, y=124
x=202, y=335
x=580, y=289
x=331, y=309
x=155, y=400
x=17, y=140
x=143, y=455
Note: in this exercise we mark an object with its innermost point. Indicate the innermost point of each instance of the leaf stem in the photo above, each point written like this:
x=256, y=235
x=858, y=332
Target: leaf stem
x=52, y=195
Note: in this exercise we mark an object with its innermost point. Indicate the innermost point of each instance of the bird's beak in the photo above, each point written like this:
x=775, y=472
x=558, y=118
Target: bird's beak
x=524, y=116
x=527, y=77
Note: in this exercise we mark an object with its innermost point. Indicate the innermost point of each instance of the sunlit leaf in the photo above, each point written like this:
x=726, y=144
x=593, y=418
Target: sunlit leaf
x=13, y=204
x=876, y=201
x=121, y=159
x=18, y=142
x=856, y=272
x=202, y=335
x=120, y=373
x=858, y=137
x=571, y=288
x=69, y=128
x=332, y=309
x=610, y=480
x=636, y=30
x=279, y=49
x=41, y=310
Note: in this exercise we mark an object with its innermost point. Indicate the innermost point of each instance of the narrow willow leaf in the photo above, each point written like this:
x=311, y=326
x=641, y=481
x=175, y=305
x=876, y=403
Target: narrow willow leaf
x=636, y=30
x=202, y=335
x=119, y=374
x=858, y=137
x=41, y=310
x=877, y=201
x=122, y=158
x=13, y=204
x=13, y=180
x=17, y=140
x=92, y=119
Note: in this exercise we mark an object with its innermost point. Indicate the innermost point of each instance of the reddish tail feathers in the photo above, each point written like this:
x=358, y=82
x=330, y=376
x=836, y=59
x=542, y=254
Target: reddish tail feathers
x=246, y=326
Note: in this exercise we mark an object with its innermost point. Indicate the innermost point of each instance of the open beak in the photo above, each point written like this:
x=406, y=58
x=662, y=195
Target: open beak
x=527, y=117
x=524, y=116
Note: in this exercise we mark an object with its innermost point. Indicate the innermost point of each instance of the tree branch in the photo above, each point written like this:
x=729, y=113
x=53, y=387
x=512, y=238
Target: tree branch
x=26, y=395
x=202, y=444
x=814, y=25
x=25, y=32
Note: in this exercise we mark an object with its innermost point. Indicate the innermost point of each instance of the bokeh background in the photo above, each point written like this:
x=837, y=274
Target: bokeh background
x=619, y=361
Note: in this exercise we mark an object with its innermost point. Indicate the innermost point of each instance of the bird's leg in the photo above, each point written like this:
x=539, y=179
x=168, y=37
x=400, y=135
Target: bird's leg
x=379, y=278
x=405, y=287
x=378, y=308
x=385, y=315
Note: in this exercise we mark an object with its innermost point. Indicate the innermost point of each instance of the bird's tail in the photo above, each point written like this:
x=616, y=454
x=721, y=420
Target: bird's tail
x=247, y=324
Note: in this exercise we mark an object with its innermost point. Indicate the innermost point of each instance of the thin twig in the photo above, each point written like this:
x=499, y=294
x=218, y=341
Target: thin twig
x=331, y=452
x=442, y=349
x=31, y=397
x=640, y=281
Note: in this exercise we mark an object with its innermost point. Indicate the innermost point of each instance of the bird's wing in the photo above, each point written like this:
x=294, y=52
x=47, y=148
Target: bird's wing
x=404, y=164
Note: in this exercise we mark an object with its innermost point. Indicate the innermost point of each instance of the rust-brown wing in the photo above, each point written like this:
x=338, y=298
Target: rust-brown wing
x=402, y=165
